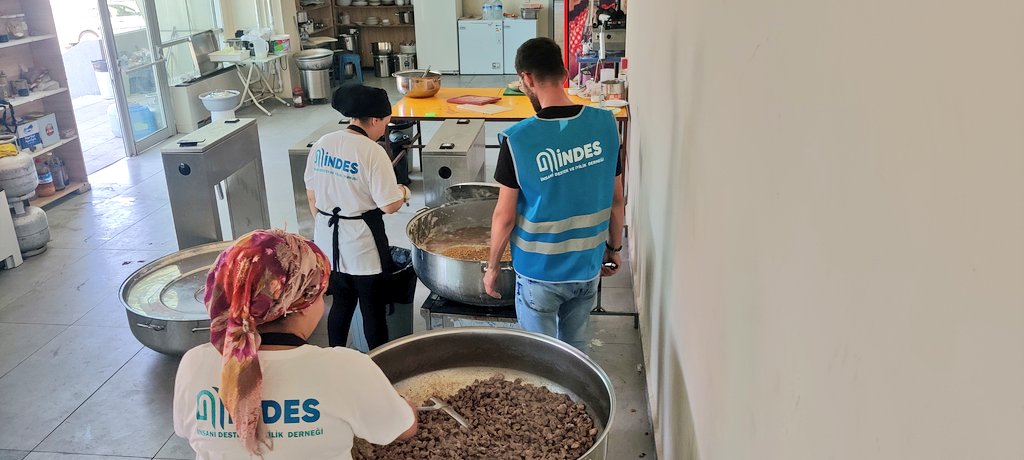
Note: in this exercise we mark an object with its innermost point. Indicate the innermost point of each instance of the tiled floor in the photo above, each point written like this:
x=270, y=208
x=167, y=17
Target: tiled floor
x=76, y=385
x=99, y=145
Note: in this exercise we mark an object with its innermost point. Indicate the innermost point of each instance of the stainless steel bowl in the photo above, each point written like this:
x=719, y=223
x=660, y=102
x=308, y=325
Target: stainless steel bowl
x=412, y=83
x=314, y=59
x=437, y=363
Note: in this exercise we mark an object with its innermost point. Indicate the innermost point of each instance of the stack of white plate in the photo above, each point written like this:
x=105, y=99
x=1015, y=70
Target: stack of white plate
x=374, y=2
x=359, y=3
x=372, y=21
x=387, y=2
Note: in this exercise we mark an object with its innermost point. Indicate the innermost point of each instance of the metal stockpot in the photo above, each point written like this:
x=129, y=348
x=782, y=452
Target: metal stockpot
x=348, y=43
x=458, y=280
x=164, y=299
x=436, y=363
x=381, y=47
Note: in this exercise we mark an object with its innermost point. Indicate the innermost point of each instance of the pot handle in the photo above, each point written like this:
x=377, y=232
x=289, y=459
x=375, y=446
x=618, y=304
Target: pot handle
x=200, y=329
x=422, y=210
x=504, y=268
x=155, y=327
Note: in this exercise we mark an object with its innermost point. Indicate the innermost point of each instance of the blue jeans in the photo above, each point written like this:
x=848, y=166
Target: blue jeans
x=560, y=310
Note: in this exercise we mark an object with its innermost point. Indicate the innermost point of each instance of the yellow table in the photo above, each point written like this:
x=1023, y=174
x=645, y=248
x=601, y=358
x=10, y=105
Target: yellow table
x=437, y=107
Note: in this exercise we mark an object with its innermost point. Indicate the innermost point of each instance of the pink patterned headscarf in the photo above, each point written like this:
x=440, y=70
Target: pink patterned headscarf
x=263, y=276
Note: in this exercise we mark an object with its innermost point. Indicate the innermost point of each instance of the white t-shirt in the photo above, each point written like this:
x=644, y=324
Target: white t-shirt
x=314, y=400
x=349, y=171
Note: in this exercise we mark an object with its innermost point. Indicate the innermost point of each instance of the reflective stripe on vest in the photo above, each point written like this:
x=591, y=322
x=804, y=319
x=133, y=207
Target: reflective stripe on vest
x=558, y=226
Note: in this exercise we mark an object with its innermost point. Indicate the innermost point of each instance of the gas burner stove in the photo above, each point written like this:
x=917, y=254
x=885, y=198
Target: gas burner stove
x=441, y=312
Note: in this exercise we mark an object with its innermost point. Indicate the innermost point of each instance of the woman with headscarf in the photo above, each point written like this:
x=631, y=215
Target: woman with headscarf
x=350, y=185
x=258, y=390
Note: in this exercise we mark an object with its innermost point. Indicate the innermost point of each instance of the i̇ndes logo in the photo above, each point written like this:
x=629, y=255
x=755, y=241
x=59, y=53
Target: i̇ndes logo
x=210, y=408
x=214, y=420
x=554, y=160
x=325, y=160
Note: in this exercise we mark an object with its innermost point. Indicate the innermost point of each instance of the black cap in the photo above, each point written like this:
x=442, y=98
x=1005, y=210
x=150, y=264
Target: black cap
x=358, y=101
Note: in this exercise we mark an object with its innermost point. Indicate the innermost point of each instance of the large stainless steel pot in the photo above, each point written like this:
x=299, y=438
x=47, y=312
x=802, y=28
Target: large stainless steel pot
x=314, y=59
x=459, y=280
x=437, y=363
x=164, y=299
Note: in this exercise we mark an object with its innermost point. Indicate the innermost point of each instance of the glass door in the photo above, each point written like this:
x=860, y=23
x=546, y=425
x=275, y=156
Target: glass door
x=131, y=44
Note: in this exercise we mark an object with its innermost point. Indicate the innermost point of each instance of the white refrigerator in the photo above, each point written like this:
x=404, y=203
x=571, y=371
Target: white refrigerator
x=517, y=32
x=480, y=47
x=437, y=37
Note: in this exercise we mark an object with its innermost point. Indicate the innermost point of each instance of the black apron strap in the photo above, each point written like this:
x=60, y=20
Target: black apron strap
x=281, y=338
x=374, y=219
x=333, y=222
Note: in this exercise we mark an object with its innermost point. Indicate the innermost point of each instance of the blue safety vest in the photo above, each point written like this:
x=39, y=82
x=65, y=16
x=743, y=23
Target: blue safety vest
x=566, y=172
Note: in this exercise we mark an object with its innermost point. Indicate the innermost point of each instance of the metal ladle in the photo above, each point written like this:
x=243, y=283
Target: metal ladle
x=439, y=404
x=426, y=72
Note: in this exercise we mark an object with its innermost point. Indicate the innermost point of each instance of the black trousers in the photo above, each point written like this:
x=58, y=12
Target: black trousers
x=370, y=292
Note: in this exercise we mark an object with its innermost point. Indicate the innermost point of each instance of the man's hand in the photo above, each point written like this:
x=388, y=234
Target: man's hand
x=614, y=258
x=490, y=278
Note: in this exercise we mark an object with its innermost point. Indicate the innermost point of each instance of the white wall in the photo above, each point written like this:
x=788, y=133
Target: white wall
x=827, y=210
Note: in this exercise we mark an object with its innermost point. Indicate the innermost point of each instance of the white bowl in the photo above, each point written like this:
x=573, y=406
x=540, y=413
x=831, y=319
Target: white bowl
x=386, y=22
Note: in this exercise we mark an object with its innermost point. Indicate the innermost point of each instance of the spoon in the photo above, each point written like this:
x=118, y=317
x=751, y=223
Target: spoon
x=426, y=72
x=438, y=404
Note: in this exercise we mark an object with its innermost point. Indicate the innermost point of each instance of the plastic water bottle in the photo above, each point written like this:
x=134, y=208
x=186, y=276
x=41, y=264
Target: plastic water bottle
x=488, y=11
x=498, y=10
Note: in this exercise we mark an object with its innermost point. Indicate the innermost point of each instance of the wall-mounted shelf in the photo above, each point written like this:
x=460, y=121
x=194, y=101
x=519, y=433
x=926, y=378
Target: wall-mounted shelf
x=35, y=96
x=384, y=26
x=25, y=41
x=53, y=147
x=310, y=9
x=403, y=7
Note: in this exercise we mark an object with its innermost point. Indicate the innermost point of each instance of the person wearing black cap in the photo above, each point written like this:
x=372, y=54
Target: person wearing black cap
x=350, y=185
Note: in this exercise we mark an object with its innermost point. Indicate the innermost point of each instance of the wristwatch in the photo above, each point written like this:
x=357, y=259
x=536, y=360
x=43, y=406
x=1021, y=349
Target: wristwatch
x=610, y=248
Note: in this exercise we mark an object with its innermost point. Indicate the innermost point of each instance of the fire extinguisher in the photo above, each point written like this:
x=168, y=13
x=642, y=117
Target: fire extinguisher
x=297, y=97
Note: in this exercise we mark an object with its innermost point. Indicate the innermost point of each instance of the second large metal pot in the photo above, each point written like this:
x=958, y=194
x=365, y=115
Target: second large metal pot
x=437, y=363
x=314, y=59
x=459, y=280
x=164, y=299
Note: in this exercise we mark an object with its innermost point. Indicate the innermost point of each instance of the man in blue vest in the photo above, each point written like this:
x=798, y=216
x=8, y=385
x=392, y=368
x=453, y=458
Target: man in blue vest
x=560, y=202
